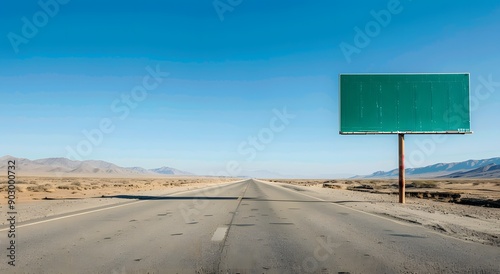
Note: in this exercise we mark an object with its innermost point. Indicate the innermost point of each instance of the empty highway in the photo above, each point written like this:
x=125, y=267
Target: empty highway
x=243, y=227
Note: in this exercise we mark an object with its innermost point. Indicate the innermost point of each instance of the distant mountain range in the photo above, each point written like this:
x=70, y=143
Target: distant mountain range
x=64, y=166
x=488, y=171
x=486, y=168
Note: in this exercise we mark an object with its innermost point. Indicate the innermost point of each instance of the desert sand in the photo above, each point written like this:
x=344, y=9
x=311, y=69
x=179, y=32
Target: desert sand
x=57, y=188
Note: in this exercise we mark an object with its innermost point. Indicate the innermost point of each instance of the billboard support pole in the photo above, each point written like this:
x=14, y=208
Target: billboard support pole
x=401, y=142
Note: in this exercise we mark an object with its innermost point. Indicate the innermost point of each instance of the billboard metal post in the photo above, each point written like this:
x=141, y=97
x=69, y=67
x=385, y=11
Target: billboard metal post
x=404, y=103
x=402, y=182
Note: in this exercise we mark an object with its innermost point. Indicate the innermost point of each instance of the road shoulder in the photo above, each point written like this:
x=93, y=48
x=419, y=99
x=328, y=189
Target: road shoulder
x=471, y=223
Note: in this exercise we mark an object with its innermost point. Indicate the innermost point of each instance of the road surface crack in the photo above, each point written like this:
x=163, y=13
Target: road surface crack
x=223, y=247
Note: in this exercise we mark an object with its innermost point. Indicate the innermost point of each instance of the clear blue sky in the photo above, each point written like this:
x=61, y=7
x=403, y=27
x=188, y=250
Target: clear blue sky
x=229, y=68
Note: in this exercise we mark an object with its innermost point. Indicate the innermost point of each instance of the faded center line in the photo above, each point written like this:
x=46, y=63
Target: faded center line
x=226, y=231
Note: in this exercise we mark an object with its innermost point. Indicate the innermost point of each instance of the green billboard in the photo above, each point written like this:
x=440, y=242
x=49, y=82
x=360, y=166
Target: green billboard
x=404, y=103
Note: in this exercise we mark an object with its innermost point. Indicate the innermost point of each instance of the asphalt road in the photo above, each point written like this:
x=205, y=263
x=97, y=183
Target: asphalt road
x=243, y=227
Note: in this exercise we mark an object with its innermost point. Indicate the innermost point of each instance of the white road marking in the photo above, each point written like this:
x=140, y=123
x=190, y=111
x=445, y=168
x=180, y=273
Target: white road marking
x=73, y=215
x=219, y=234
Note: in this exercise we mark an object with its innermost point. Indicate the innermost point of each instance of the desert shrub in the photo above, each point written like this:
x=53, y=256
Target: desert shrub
x=69, y=187
x=37, y=188
x=385, y=186
x=41, y=188
x=424, y=184
x=21, y=188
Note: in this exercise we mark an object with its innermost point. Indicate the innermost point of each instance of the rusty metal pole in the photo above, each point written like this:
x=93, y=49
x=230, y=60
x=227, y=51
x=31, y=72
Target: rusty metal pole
x=401, y=168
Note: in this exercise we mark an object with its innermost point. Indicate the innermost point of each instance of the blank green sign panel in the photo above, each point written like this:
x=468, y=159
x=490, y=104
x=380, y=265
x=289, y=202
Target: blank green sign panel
x=404, y=103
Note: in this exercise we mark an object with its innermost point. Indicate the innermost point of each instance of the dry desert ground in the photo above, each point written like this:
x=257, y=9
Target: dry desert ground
x=35, y=188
